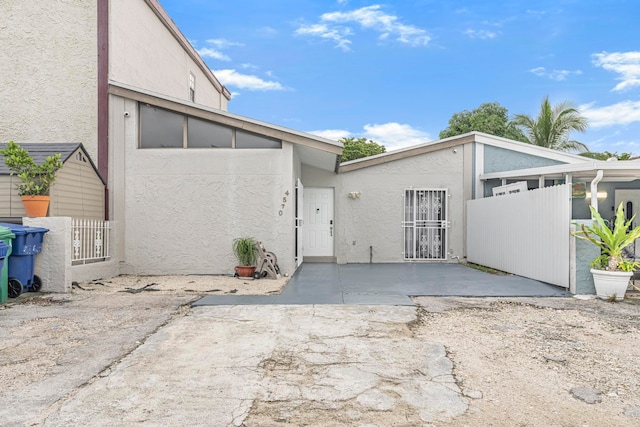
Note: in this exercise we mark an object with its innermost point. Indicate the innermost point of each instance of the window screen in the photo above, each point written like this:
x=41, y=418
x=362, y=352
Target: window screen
x=251, y=140
x=204, y=134
x=160, y=128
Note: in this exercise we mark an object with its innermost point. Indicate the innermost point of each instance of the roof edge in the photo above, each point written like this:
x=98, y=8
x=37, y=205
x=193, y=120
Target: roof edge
x=478, y=137
x=225, y=118
x=177, y=34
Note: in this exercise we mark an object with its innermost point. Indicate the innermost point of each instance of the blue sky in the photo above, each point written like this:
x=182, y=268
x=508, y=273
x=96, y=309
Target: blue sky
x=396, y=71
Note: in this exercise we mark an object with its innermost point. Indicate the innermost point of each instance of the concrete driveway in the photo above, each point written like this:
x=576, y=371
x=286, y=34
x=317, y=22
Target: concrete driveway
x=272, y=366
x=150, y=358
x=391, y=284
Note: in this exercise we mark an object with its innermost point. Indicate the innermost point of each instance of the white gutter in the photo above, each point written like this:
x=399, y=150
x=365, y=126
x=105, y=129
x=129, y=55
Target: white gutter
x=594, y=189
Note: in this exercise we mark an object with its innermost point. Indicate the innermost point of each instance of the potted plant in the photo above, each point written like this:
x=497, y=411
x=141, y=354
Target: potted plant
x=611, y=272
x=35, y=180
x=245, y=250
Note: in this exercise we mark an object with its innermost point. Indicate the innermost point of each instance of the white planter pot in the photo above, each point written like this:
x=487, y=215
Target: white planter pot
x=609, y=283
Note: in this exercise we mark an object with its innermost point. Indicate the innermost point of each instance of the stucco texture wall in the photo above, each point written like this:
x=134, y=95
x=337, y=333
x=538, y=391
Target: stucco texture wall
x=49, y=72
x=182, y=208
x=375, y=219
x=144, y=54
x=498, y=159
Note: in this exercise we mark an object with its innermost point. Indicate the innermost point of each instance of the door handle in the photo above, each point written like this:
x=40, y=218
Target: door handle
x=331, y=231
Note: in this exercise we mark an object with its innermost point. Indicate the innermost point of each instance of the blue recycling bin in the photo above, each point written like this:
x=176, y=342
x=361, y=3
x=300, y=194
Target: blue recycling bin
x=26, y=244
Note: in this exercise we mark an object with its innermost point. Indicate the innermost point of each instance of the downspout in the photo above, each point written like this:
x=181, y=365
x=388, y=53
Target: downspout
x=594, y=190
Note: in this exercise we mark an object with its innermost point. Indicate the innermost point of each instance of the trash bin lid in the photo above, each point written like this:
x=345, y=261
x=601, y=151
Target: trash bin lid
x=6, y=233
x=14, y=228
x=4, y=249
x=28, y=229
x=22, y=229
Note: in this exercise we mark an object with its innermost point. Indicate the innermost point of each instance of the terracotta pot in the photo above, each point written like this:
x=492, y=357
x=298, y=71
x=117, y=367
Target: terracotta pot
x=36, y=206
x=245, y=270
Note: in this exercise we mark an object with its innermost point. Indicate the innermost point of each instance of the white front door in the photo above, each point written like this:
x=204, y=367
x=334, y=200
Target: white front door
x=630, y=200
x=318, y=222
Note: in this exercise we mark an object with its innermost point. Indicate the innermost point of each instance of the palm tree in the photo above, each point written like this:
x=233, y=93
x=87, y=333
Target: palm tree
x=552, y=127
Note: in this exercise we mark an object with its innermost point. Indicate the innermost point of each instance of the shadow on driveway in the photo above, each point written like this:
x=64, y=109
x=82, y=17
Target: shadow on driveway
x=390, y=284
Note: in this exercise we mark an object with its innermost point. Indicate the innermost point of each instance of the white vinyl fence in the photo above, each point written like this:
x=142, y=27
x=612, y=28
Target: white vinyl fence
x=525, y=233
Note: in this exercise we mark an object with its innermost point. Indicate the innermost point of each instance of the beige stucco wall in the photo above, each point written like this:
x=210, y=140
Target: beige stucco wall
x=146, y=55
x=180, y=209
x=375, y=219
x=48, y=75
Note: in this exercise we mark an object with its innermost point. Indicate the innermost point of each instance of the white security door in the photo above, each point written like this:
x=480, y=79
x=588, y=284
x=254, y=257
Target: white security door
x=425, y=224
x=630, y=200
x=299, y=222
x=318, y=222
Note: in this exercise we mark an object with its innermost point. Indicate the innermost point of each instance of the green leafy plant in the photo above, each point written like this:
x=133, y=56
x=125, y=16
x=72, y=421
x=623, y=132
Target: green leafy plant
x=245, y=249
x=35, y=180
x=611, y=242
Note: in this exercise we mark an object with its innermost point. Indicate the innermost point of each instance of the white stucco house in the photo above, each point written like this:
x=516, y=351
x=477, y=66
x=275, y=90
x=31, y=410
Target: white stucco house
x=185, y=176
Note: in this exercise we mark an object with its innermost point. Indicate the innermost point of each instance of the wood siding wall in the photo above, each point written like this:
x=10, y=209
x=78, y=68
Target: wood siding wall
x=10, y=202
x=78, y=192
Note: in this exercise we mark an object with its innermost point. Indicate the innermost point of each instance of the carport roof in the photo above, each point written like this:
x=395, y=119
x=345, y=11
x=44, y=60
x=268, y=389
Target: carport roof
x=613, y=170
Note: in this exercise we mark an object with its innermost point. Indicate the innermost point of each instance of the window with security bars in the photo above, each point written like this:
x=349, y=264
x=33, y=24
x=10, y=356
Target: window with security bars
x=425, y=224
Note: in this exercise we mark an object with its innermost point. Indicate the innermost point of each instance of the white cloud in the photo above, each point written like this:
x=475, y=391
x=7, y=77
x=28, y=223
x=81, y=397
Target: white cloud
x=369, y=17
x=337, y=35
x=213, y=50
x=207, y=52
x=245, y=81
x=395, y=135
x=627, y=64
x=333, y=134
x=536, y=13
x=222, y=43
x=558, y=75
x=392, y=135
x=621, y=113
x=481, y=34
x=267, y=31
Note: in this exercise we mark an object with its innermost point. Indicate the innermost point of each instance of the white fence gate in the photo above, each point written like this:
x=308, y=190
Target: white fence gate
x=425, y=224
x=525, y=233
x=90, y=241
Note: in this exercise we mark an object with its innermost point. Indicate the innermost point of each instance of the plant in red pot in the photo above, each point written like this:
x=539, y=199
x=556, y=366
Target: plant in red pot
x=245, y=249
x=35, y=180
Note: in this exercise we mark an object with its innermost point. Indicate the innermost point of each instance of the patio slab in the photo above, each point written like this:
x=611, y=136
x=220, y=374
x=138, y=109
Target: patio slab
x=390, y=284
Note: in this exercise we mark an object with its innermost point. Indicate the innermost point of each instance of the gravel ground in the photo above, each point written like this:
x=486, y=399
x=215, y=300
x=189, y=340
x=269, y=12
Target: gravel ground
x=187, y=285
x=519, y=361
x=540, y=362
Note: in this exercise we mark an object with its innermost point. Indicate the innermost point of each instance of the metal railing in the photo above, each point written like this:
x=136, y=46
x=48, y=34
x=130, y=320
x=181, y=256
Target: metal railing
x=89, y=241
